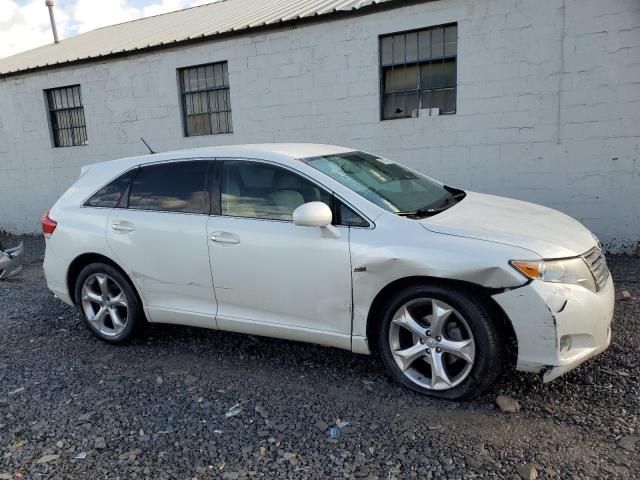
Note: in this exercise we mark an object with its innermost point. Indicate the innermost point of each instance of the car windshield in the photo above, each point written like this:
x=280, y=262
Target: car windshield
x=385, y=183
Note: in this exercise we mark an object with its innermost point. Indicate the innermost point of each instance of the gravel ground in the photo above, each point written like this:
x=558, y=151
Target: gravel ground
x=192, y=403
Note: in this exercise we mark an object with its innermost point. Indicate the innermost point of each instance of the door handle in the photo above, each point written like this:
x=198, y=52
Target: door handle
x=122, y=227
x=224, y=237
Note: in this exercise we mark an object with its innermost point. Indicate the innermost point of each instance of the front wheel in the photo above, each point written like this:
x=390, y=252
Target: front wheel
x=108, y=304
x=440, y=341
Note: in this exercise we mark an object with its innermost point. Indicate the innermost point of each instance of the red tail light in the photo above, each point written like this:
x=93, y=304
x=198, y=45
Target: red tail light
x=48, y=225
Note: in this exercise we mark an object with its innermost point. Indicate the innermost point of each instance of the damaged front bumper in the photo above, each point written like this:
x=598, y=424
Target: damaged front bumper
x=11, y=261
x=558, y=326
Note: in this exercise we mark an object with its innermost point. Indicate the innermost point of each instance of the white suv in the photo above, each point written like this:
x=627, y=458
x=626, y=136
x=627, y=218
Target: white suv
x=332, y=246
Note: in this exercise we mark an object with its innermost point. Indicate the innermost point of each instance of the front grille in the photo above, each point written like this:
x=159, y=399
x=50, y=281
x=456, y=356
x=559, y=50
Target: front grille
x=598, y=266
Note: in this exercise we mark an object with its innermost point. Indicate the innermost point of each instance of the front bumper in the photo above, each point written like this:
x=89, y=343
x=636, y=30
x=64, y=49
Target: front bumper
x=11, y=261
x=558, y=326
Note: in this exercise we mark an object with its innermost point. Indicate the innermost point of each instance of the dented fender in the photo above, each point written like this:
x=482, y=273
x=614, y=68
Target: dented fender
x=381, y=258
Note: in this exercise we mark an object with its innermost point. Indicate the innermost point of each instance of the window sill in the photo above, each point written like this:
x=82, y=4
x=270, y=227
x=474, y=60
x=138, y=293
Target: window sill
x=68, y=146
x=208, y=135
x=423, y=112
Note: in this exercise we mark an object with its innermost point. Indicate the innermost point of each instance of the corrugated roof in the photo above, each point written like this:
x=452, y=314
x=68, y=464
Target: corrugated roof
x=194, y=23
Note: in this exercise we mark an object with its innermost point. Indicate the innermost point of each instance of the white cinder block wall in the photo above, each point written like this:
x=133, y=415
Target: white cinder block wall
x=548, y=106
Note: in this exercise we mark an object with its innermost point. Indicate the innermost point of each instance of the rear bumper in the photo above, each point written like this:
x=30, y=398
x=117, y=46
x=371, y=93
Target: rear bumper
x=11, y=261
x=55, y=273
x=558, y=326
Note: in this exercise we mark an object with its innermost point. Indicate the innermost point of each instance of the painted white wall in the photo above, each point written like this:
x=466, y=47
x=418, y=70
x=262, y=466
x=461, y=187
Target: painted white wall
x=548, y=106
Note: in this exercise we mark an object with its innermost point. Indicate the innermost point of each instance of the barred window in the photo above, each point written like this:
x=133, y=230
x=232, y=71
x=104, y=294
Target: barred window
x=206, y=107
x=68, y=125
x=418, y=70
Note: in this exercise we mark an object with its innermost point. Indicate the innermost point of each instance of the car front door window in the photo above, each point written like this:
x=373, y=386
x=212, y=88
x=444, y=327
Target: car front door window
x=263, y=191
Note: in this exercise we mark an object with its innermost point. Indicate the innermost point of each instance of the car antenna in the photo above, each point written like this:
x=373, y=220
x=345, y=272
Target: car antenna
x=147, y=145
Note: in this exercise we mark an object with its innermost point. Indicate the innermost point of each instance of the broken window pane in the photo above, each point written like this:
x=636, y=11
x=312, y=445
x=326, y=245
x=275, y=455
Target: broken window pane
x=423, y=72
x=399, y=105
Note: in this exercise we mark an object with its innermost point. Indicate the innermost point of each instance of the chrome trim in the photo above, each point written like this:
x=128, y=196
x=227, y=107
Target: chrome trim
x=597, y=264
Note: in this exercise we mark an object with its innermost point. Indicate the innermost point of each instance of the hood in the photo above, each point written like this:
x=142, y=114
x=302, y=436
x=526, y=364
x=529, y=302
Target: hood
x=545, y=231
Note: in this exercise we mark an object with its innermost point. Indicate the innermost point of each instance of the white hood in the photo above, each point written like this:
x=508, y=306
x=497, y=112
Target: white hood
x=545, y=231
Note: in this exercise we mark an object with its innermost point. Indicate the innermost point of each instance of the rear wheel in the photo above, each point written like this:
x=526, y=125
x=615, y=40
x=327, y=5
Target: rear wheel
x=440, y=341
x=108, y=304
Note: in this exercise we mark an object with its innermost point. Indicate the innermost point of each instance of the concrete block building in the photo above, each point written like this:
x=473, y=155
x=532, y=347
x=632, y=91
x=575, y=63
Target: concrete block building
x=537, y=100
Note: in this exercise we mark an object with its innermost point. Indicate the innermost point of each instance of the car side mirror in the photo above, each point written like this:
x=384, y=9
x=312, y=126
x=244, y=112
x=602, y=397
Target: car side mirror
x=316, y=214
x=313, y=214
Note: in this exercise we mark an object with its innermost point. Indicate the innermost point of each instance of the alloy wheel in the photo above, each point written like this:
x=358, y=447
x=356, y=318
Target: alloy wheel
x=432, y=343
x=105, y=304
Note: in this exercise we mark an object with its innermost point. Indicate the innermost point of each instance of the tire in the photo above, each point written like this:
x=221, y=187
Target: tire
x=108, y=303
x=465, y=345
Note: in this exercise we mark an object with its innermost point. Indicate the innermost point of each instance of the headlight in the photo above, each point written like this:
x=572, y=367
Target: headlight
x=569, y=270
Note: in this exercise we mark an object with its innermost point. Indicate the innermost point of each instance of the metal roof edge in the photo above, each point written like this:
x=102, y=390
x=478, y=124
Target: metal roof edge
x=236, y=32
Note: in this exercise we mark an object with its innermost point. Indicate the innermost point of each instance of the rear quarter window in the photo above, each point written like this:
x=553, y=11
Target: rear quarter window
x=109, y=195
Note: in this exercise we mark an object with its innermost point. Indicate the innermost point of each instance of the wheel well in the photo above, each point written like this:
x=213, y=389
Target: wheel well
x=87, y=259
x=483, y=294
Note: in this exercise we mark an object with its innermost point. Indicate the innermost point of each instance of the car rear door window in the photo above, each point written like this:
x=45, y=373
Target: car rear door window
x=259, y=190
x=171, y=187
x=109, y=195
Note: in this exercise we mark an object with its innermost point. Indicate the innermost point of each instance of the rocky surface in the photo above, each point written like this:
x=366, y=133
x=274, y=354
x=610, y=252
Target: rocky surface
x=189, y=403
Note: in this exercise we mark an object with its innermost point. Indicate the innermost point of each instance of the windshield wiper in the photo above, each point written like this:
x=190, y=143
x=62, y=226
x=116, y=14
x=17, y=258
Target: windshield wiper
x=430, y=210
